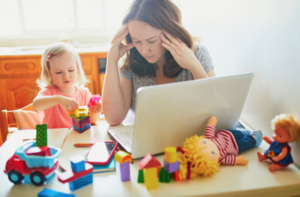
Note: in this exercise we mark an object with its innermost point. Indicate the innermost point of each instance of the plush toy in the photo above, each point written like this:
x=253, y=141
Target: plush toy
x=286, y=129
x=202, y=155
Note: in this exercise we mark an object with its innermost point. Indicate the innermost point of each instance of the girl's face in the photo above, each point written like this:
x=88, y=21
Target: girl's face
x=146, y=40
x=63, y=70
x=210, y=149
x=280, y=135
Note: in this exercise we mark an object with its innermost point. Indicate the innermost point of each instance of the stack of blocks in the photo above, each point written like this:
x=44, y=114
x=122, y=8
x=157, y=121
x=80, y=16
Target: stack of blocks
x=124, y=159
x=148, y=172
x=41, y=135
x=81, y=174
x=81, y=119
x=171, y=165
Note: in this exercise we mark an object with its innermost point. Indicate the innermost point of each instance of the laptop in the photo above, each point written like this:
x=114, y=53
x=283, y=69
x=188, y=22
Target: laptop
x=168, y=114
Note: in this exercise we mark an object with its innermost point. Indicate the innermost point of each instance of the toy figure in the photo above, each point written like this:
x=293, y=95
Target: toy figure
x=286, y=129
x=202, y=155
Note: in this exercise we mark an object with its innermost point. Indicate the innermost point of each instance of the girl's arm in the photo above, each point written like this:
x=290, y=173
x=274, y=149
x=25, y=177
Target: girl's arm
x=282, y=155
x=41, y=103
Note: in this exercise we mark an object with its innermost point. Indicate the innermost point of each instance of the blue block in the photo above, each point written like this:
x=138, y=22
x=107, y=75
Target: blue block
x=171, y=167
x=82, y=129
x=81, y=182
x=77, y=163
x=52, y=193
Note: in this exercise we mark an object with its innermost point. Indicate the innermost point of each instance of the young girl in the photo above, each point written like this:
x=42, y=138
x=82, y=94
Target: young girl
x=62, y=86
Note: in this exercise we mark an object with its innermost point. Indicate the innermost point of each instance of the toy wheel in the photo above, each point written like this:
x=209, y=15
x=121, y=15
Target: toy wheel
x=15, y=176
x=37, y=178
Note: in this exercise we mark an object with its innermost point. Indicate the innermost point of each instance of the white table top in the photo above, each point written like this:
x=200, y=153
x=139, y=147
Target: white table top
x=253, y=179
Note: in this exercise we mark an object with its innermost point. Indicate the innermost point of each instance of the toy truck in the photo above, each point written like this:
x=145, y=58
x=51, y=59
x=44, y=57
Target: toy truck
x=32, y=164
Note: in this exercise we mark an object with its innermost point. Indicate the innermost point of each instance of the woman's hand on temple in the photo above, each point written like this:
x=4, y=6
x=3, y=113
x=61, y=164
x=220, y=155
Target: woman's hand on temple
x=182, y=54
x=118, y=49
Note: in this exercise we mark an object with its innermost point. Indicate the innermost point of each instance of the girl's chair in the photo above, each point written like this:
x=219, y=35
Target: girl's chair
x=24, y=118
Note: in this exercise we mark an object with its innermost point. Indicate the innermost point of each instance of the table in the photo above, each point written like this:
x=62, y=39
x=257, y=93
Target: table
x=251, y=180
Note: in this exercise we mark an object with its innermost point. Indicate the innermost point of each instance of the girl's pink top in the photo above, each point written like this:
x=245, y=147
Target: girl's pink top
x=56, y=116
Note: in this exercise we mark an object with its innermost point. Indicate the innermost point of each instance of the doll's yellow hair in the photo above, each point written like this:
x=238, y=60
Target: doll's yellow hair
x=200, y=164
x=288, y=123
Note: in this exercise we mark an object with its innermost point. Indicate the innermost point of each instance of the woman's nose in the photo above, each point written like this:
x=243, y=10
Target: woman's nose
x=145, y=49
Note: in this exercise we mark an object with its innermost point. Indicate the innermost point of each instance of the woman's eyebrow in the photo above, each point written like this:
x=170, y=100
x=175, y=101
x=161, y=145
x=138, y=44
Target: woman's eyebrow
x=146, y=39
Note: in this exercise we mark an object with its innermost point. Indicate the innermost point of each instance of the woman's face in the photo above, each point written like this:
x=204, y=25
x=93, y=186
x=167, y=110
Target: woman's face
x=146, y=40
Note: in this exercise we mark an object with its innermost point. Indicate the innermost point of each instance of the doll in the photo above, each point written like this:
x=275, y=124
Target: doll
x=202, y=155
x=286, y=129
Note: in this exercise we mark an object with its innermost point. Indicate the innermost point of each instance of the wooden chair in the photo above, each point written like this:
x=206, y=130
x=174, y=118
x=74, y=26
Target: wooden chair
x=7, y=120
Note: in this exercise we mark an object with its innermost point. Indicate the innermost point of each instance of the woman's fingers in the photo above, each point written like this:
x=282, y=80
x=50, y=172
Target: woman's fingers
x=168, y=43
x=171, y=38
x=172, y=51
x=120, y=32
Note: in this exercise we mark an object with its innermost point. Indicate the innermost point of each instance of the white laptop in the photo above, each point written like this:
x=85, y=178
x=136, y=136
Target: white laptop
x=168, y=114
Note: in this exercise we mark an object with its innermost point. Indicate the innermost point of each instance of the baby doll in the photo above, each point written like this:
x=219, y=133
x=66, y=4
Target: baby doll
x=286, y=129
x=202, y=155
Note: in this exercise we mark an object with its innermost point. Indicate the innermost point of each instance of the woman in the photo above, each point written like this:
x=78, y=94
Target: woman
x=159, y=50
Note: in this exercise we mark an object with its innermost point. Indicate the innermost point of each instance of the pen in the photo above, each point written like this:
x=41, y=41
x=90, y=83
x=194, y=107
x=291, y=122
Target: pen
x=83, y=144
x=28, y=139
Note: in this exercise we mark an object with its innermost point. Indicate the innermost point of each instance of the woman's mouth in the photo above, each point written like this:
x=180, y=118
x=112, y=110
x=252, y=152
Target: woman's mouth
x=66, y=81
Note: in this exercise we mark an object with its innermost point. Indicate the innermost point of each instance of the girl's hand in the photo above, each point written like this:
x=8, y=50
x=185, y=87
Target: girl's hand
x=118, y=49
x=68, y=103
x=241, y=160
x=96, y=108
x=183, y=55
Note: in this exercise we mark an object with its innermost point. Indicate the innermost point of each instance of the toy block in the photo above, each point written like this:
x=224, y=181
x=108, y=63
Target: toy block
x=41, y=135
x=78, y=119
x=171, y=167
x=122, y=157
x=77, y=163
x=125, y=171
x=39, y=151
x=175, y=176
x=94, y=100
x=170, y=154
x=141, y=176
x=82, y=111
x=149, y=162
x=52, y=193
x=81, y=182
x=164, y=176
x=150, y=178
x=83, y=129
x=77, y=180
x=72, y=114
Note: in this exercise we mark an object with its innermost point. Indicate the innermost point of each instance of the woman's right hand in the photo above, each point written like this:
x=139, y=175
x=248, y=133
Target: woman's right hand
x=118, y=49
x=68, y=103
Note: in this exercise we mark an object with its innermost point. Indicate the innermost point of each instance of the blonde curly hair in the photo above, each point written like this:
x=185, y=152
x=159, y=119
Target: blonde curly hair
x=200, y=165
x=288, y=123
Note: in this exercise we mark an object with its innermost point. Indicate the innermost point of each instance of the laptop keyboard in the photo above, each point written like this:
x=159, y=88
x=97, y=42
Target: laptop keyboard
x=126, y=138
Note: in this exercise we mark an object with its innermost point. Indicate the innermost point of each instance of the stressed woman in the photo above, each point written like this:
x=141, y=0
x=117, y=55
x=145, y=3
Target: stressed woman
x=158, y=51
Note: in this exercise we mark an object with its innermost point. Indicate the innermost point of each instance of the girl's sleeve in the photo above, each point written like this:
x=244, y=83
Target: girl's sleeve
x=210, y=131
x=88, y=96
x=45, y=92
x=204, y=58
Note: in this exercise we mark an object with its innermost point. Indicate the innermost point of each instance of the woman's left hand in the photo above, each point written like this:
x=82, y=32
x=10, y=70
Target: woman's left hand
x=182, y=54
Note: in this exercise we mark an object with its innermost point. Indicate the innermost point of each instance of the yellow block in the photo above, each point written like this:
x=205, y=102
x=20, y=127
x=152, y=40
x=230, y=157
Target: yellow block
x=123, y=157
x=82, y=111
x=171, y=154
x=150, y=178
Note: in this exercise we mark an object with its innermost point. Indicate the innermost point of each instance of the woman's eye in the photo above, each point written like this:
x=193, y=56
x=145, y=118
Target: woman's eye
x=137, y=42
x=71, y=70
x=58, y=73
x=213, y=152
x=152, y=42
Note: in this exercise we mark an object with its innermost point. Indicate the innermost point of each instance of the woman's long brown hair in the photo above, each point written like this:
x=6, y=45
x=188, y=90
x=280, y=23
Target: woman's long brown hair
x=160, y=14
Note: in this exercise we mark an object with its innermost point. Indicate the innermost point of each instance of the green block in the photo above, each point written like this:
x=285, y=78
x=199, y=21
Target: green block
x=141, y=176
x=164, y=176
x=41, y=135
x=79, y=118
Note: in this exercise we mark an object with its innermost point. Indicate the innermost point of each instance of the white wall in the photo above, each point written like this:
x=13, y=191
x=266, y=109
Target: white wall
x=259, y=36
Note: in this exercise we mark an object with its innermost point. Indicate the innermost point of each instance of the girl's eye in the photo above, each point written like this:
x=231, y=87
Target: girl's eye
x=279, y=135
x=213, y=152
x=204, y=142
x=58, y=73
x=71, y=70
